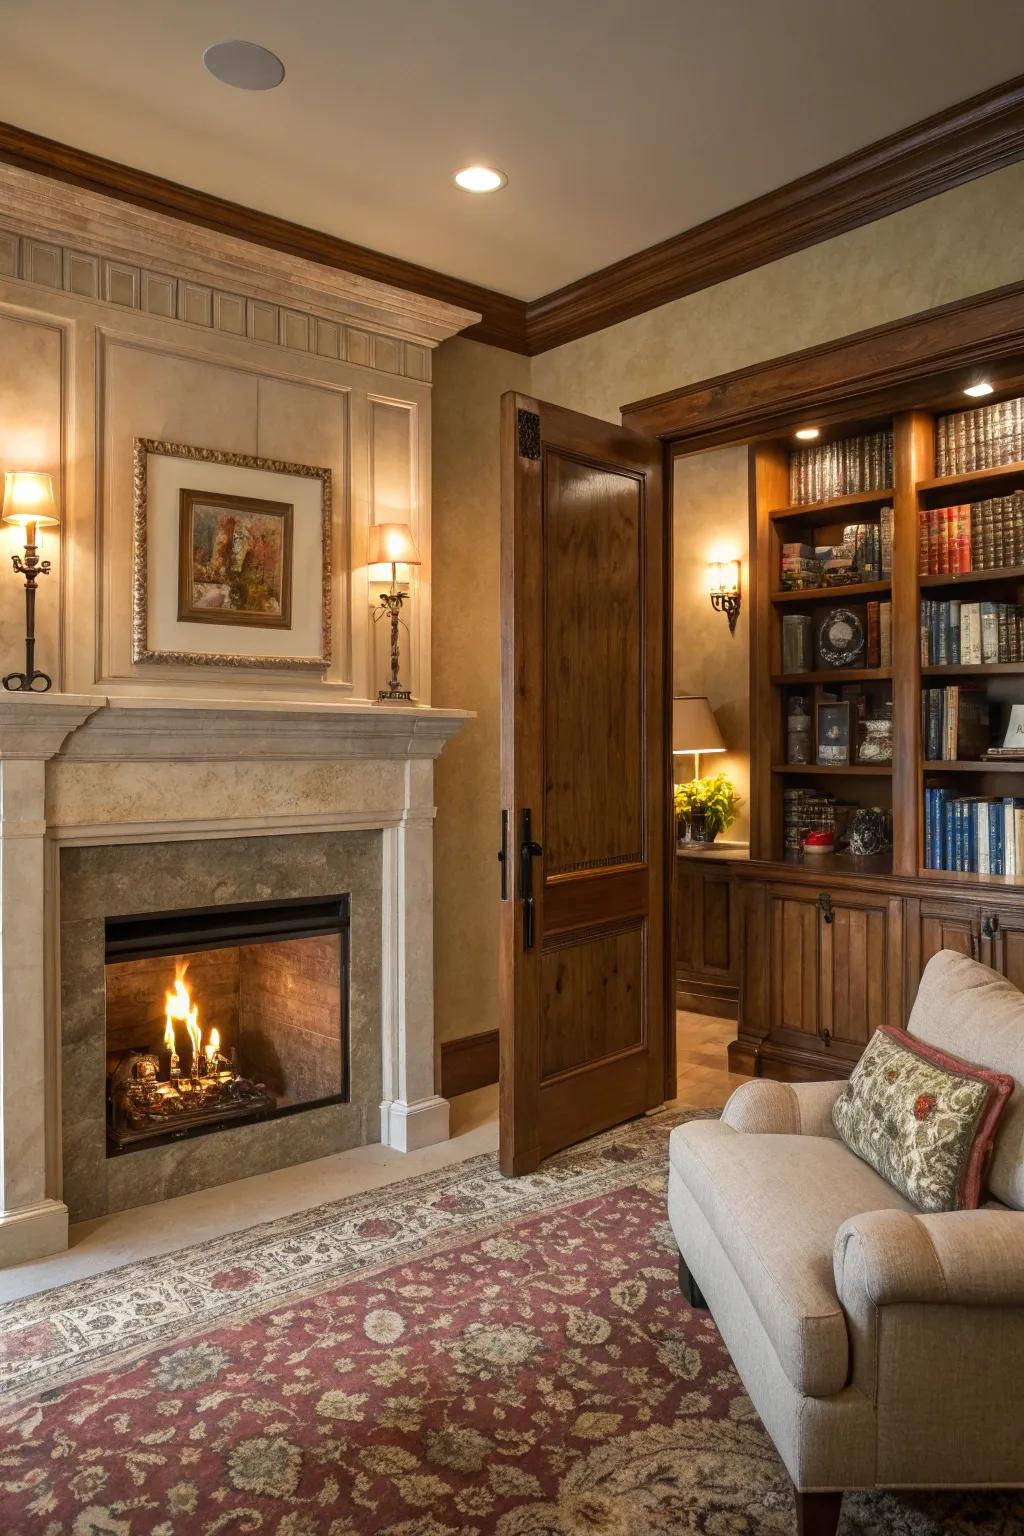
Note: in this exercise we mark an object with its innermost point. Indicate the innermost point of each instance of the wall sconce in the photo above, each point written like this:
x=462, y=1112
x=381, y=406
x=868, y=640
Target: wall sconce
x=392, y=544
x=28, y=503
x=724, y=589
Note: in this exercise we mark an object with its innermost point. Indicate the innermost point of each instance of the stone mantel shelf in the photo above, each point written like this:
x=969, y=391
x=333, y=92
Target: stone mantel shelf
x=101, y=728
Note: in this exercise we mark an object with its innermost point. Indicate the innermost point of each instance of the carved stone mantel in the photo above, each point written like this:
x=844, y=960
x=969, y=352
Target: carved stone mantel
x=91, y=769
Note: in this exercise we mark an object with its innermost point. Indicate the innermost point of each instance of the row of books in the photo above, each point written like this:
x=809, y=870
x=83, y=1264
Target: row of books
x=984, y=438
x=971, y=834
x=955, y=723
x=841, y=469
x=979, y=536
x=864, y=554
x=958, y=634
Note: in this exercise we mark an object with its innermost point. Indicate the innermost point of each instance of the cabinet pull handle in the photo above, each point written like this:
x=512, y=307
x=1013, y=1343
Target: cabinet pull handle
x=989, y=925
x=825, y=903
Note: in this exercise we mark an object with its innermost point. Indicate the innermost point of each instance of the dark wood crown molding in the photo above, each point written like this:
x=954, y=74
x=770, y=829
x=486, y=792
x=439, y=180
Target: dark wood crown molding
x=924, y=356
x=966, y=141
x=504, y=319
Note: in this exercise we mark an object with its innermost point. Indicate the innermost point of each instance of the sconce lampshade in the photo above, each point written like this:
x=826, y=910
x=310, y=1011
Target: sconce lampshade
x=392, y=544
x=28, y=498
x=724, y=577
x=694, y=727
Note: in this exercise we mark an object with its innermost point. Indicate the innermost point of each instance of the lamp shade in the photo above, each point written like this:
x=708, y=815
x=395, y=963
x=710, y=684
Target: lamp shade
x=392, y=544
x=694, y=727
x=28, y=498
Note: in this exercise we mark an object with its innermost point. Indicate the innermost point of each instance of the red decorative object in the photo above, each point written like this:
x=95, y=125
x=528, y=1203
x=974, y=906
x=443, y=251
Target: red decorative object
x=924, y=1106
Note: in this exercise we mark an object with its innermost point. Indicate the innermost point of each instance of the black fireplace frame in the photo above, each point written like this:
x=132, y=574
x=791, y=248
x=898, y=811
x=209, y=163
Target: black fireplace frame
x=189, y=930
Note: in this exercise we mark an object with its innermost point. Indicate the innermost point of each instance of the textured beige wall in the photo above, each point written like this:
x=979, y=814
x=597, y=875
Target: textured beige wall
x=469, y=381
x=710, y=523
x=963, y=242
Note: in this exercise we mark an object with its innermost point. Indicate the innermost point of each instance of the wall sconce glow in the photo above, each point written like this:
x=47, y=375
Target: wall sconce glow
x=977, y=390
x=807, y=434
x=480, y=178
x=724, y=589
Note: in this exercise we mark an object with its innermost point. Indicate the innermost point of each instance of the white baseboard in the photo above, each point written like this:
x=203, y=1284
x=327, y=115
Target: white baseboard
x=34, y=1232
x=408, y=1127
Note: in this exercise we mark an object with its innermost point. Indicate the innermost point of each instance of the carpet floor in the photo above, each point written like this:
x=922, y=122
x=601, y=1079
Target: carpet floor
x=455, y=1355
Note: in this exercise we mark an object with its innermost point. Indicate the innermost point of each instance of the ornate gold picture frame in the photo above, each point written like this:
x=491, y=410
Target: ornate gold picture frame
x=239, y=567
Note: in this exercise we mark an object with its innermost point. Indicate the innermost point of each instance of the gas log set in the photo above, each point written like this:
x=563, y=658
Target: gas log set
x=188, y=1084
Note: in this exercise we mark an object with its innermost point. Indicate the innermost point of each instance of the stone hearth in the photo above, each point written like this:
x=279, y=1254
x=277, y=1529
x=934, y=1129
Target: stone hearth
x=116, y=805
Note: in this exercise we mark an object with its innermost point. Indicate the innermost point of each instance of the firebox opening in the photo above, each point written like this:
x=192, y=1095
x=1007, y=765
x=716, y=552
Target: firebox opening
x=222, y=1016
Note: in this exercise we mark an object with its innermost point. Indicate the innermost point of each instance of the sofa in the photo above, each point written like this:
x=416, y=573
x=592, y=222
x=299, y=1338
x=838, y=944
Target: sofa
x=881, y=1347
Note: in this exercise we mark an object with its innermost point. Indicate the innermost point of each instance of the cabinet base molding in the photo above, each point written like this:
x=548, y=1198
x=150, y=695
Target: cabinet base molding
x=469, y=1063
x=705, y=997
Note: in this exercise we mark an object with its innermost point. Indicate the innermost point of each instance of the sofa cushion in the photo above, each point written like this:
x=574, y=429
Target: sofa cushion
x=965, y=1008
x=775, y=1203
x=923, y=1119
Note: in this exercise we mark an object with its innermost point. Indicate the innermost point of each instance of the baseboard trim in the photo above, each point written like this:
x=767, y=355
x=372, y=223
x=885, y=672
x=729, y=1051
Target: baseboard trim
x=469, y=1063
x=34, y=1232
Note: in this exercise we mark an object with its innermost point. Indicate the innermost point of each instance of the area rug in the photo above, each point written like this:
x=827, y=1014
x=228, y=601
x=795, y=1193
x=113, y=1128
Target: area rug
x=455, y=1355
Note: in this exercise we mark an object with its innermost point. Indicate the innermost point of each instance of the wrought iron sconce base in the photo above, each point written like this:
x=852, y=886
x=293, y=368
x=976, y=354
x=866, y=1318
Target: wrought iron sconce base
x=31, y=680
x=728, y=603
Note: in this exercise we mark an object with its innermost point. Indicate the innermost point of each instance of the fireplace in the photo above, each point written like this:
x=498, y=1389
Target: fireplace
x=222, y=1016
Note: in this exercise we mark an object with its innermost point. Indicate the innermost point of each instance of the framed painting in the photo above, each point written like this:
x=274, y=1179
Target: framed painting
x=231, y=559
x=235, y=560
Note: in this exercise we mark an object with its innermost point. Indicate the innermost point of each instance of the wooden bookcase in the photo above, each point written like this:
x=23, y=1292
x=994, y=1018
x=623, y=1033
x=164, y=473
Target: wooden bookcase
x=834, y=946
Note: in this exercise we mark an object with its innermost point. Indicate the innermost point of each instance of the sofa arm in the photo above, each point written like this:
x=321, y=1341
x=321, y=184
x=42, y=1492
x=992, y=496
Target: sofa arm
x=959, y=1258
x=764, y=1108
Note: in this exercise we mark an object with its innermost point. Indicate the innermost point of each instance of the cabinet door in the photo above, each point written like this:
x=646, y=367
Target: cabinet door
x=687, y=917
x=717, y=959
x=1002, y=942
x=933, y=925
x=861, y=980
x=795, y=963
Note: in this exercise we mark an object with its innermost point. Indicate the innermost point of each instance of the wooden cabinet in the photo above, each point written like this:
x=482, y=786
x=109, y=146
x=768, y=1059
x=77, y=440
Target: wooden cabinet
x=706, y=949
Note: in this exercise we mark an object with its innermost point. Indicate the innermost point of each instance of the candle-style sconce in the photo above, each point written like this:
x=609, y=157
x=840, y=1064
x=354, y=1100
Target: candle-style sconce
x=29, y=504
x=724, y=589
x=392, y=544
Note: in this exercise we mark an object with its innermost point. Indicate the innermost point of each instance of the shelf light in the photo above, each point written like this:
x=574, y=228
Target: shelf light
x=977, y=390
x=808, y=434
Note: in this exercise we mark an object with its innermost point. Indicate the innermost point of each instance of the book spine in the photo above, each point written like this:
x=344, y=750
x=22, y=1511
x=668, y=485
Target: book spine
x=885, y=637
x=874, y=645
x=954, y=632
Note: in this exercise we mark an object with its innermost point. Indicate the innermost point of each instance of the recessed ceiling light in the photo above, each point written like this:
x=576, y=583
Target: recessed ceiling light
x=808, y=434
x=984, y=388
x=480, y=178
x=244, y=65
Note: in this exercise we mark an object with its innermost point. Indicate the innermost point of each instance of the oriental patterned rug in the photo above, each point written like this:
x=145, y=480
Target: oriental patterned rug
x=454, y=1355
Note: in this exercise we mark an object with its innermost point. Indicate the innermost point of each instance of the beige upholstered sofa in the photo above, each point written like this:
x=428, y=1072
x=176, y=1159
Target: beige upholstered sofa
x=881, y=1347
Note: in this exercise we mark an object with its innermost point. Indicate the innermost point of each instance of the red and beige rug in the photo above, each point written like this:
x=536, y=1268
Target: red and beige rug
x=455, y=1355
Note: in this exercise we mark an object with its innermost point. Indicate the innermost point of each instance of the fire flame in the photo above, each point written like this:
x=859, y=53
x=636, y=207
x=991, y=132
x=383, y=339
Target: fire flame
x=213, y=1045
x=179, y=1009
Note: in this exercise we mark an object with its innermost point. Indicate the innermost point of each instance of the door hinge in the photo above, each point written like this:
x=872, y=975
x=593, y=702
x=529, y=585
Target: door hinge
x=825, y=904
x=528, y=433
x=989, y=925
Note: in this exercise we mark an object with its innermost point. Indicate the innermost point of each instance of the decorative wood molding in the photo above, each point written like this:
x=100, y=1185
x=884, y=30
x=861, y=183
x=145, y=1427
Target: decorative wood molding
x=500, y=318
x=882, y=369
x=96, y=248
x=469, y=1063
x=963, y=142
x=966, y=141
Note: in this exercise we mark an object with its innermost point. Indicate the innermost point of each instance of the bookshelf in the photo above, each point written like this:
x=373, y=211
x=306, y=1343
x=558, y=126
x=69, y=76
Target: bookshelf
x=905, y=684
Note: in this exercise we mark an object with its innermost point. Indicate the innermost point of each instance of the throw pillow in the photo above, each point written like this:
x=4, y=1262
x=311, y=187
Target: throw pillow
x=923, y=1119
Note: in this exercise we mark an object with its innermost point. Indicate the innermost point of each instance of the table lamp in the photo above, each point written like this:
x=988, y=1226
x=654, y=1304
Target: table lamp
x=392, y=544
x=28, y=503
x=694, y=729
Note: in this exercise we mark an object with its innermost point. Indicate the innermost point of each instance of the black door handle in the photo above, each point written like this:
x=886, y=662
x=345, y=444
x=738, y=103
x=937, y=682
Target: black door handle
x=503, y=855
x=529, y=849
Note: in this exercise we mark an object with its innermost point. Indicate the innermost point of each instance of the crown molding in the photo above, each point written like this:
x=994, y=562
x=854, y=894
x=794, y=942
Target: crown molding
x=971, y=139
x=965, y=141
x=883, y=369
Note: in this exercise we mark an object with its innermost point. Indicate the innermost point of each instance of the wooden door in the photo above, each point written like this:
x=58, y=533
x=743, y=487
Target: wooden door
x=794, y=965
x=584, y=971
x=933, y=924
x=1002, y=942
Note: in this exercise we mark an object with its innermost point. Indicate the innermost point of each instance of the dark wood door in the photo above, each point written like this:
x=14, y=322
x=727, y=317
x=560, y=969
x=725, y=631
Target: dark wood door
x=585, y=989
x=861, y=969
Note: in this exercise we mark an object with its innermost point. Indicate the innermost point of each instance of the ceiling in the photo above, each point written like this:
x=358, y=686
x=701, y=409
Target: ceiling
x=619, y=122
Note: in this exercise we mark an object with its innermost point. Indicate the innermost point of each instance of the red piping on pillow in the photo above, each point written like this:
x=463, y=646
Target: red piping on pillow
x=1000, y=1087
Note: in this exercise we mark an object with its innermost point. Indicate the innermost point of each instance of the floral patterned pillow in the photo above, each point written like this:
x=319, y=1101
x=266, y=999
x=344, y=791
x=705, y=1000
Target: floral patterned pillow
x=924, y=1120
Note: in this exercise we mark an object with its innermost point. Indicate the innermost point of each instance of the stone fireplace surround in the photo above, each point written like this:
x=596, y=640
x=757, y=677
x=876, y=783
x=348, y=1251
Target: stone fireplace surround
x=88, y=771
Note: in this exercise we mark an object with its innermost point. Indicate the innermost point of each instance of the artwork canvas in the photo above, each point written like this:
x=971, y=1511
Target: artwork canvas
x=234, y=560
